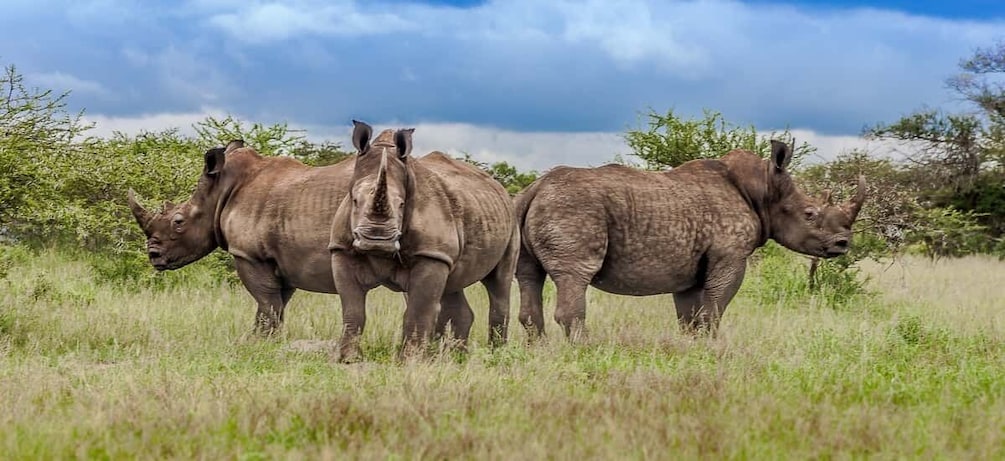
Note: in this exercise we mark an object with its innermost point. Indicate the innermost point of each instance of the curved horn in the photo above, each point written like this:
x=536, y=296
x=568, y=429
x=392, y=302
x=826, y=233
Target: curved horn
x=856, y=202
x=141, y=214
x=828, y=198
x=380, y=205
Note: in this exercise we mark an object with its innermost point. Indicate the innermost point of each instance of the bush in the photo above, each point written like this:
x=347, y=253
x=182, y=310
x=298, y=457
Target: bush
x=779, y=276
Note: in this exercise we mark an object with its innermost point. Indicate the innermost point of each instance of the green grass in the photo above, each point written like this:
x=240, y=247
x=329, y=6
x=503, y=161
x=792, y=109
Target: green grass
x=89, y=370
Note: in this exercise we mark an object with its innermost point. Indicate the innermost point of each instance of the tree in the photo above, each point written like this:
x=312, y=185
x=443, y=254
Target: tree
x=669, y=141
x=324, y=153
x=36, y=131
x=959, y=159
x=512, y=179
x=275, y=139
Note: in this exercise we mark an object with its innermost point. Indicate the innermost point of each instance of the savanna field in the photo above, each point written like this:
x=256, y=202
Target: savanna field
x=91, y=369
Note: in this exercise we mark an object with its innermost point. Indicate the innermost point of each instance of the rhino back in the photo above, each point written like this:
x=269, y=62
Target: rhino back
x=480, y=210
x=643, y=232
x=283, y=214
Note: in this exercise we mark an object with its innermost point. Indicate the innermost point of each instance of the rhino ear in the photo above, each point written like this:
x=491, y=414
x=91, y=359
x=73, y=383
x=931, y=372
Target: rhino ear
x=403, y=139
x=214, y=161
x=781, y=155
x=235, y=144
x=361, y=133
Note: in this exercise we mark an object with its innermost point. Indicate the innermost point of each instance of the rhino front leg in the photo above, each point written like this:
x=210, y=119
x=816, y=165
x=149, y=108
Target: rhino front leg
x=426, y=282
x=700, y=308
x=723, y=281
x=455, y=311
x=352, y=295
x=688, y=304
x=269, y=291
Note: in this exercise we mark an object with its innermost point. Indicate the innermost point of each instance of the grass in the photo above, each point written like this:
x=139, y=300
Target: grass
x=90, y=370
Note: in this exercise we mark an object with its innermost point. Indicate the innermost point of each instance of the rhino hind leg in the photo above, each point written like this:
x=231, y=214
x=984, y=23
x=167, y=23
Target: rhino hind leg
x=499, y=284
x=455, y=312
x=530, y=277
x=570, y=306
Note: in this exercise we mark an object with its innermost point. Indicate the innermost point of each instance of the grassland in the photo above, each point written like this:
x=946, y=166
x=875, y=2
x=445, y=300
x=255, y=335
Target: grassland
x=90, y=370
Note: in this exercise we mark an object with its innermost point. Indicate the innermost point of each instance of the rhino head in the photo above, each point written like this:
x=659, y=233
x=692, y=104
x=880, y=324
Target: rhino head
x=180, y=234
x=812, y=226
x=381, y=184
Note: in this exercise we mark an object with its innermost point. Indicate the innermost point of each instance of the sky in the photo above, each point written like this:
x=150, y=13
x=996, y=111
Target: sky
x=532, y=82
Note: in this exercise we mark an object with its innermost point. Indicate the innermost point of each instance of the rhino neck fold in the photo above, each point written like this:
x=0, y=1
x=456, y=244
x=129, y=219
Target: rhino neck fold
x=221, y=203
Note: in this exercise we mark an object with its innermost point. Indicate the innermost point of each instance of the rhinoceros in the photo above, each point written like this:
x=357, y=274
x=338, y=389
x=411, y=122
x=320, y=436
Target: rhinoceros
x=429, y=227
x=687, y=231
x=273, y=214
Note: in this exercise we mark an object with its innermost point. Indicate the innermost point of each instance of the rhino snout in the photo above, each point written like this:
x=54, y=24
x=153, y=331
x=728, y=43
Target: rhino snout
x=377, y=240
x=837, y=247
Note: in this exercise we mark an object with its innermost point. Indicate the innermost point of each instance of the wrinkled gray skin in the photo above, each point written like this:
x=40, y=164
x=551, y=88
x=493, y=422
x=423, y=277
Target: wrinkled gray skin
x=426, y=226
x=272, y=213
x=687, y=231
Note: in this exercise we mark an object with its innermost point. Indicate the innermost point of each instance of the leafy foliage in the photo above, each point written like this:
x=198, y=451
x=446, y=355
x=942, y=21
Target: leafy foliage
x=958, y=160
x=36, y=132
x=669, y=141
x=950, y=232
x=512, y=179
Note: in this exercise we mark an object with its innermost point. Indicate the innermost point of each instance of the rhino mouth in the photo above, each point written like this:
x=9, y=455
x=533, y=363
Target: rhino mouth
x=836, y=248
x=382, y=243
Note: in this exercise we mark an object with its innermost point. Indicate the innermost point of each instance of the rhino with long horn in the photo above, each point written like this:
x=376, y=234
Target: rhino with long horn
x=427, y=226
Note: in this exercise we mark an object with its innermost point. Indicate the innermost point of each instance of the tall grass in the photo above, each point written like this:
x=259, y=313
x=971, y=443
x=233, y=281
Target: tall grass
x=89, y=370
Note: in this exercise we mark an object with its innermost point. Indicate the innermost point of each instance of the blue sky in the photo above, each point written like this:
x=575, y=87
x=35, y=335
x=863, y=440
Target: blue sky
x=533, y=82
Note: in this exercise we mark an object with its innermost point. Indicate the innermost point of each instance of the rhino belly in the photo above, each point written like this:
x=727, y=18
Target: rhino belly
x=309, y=271
x=644, y=276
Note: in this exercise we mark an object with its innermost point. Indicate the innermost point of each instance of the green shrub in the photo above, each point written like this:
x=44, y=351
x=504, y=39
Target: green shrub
x=780, y=276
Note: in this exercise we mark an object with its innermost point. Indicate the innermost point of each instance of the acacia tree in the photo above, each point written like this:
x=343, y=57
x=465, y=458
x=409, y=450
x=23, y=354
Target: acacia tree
x=512, y=179
x=36, y=131
x=668, y=140
x=959, y=159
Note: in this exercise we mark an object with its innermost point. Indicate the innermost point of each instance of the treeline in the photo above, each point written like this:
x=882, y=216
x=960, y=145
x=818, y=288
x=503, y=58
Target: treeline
x=944, y=197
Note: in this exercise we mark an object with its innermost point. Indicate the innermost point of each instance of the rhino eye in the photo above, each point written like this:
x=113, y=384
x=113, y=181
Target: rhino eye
x=177, y=221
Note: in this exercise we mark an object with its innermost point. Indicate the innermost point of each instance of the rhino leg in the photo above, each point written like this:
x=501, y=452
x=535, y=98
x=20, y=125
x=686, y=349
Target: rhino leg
x=269, y=292
x=688, y=304
x=700, y=309
x=723, y=281
x=499, y=284
x=352, y=295
x=455, y=311
x=530, y=276
x=426, y=281
x=570, y=308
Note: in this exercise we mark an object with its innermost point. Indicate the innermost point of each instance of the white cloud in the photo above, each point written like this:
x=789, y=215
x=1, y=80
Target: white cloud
x=61, y=81
x=105, y=126
x=270, y=21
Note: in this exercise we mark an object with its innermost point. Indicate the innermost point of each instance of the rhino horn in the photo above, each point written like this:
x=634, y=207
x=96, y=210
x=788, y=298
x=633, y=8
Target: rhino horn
x=141, y=214
x=380, y=205
x=856, y=202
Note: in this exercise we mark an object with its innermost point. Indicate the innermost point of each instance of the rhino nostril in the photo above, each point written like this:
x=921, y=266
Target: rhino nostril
x=155, y=254
x=842, y=243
